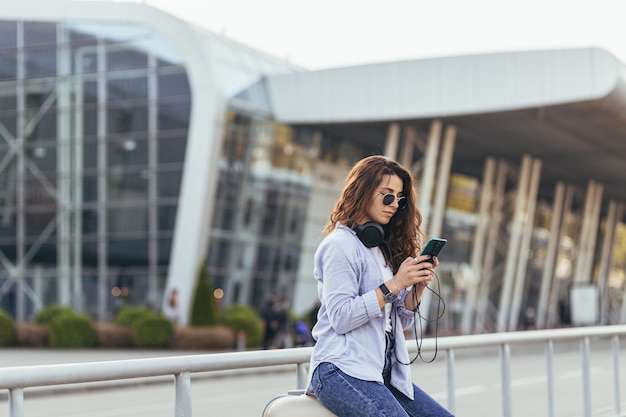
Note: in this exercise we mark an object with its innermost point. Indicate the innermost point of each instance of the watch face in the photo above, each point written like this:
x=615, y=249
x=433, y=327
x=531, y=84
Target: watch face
x=391, y=297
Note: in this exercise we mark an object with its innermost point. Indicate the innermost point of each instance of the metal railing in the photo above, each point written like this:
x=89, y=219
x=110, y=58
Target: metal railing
x=16, y=379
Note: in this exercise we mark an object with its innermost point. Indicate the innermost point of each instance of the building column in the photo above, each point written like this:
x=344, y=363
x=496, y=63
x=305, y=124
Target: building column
x=488, y=265
x=102, y=194
x=435, y=226
x=552, y=250
x=526, y=238
x=478, y=245
x=18, y=272
x=425, y=183
x=70, y=289
x=554, y=293
x=587, y=242
x=606, y=259
x=583, y=275
x=517, y=227
x=410, y=137
x=153, y=178
x=391, y=143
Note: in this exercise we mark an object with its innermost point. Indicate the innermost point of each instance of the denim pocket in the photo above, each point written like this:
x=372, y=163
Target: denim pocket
x=316, y=382
x=323, y=370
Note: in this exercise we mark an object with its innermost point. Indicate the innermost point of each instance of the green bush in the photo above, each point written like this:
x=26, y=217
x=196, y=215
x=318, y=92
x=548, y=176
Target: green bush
x=49, y=313
x=72, y=330
x=243, y=318
x=153, y=332
x=129, y=315
x=203, y=309
x=7, y=329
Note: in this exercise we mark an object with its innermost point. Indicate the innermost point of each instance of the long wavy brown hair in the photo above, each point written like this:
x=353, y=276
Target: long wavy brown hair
x=403, y=232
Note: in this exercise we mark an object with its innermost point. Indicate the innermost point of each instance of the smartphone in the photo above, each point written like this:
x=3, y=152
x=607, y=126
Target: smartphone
x=434, y=247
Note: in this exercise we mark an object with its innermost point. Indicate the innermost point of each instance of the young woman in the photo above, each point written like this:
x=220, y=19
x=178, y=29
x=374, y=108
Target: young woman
x=370, y=282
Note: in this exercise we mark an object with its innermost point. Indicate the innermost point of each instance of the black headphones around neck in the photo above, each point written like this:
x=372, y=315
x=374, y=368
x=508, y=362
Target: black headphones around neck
x=371, y=234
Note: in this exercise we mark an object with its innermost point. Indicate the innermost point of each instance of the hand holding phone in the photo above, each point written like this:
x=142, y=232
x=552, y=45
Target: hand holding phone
x=434, y=247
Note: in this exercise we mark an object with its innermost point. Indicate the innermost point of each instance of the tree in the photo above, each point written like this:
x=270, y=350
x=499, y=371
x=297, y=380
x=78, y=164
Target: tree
x=203, y=309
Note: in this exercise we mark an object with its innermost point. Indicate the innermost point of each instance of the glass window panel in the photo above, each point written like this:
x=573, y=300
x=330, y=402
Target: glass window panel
x=38, y=216
x=90, y=156
x=90, y=293
x=8, y=34
x=171, y=85
x=45, y=254
x=90, y=92
x=40, y=61
x=236, y=138
x=166, y=217
x=124, y=185
x=90, y=252
x=227, y=196
x=42, y=155
x=129, y=287
x=174, y=115
x=85, y=62
x=123, y=251
x=90, y=223
x=40, y=33
x=40, y=189
x=172, y=149
x=127, y=117
x=8, y=100
x=9, y=121
x=127, y=219
x=90, y=188
x=43, y=129
x=219, y=253
x=127, y=151
x=169, y=183
x=8, y=64
x=80, y=37
x=127, y=88
x=90, y=121
x=8, y=245
x=164, y=250
x=126, y=59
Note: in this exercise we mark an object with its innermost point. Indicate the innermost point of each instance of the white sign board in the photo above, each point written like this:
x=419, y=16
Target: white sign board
x=584, y=304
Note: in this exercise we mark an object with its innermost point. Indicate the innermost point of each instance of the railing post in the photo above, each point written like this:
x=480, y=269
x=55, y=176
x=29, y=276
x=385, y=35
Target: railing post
x=586, y=371
x=618, y=398
x=16, y=402
x=302, y=376
x=505, y=371
x=182, y=408
x=550, y=376
x=451, y=384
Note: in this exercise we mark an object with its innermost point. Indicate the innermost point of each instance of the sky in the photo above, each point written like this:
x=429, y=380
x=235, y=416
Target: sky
x=333, y=33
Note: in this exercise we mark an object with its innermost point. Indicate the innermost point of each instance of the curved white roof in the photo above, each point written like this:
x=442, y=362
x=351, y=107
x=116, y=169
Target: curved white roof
x=449, y=86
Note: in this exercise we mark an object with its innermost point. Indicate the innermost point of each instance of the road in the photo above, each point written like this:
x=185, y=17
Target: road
x=245, y=393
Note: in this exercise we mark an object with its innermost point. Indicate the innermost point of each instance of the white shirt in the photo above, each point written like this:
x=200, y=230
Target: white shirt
x=387, y=274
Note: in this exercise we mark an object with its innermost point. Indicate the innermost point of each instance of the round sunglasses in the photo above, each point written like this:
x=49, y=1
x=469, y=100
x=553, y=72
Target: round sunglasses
x=389, y=198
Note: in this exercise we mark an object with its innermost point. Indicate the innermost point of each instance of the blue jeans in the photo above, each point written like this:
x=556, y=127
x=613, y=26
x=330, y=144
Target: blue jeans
x=351, y=397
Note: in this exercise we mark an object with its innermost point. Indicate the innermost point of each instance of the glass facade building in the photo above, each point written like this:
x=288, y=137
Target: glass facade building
x=93, y=125
x=134, y=147
x=94, y=121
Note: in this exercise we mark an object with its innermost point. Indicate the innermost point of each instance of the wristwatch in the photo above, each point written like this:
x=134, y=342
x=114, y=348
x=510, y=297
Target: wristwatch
x=390, y=297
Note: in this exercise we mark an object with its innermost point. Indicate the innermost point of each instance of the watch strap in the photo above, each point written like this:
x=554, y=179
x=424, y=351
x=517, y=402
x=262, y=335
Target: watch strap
x=389, y=296
x=384, y=289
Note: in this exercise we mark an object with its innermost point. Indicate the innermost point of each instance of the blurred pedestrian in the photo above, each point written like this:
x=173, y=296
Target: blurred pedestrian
x=171, y=307
x=269, y=315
